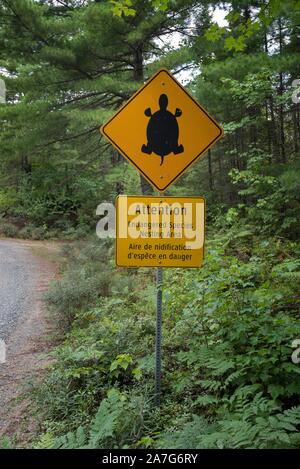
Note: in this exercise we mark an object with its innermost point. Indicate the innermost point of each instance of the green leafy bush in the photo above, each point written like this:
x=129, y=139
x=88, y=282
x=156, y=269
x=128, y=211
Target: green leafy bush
x=254, y=425
x=227, y=345
x=8, y=229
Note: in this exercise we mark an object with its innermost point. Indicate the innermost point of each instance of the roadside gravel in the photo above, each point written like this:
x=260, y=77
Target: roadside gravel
x=26, y=270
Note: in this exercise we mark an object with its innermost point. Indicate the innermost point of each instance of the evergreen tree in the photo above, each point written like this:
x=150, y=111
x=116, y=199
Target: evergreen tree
x=69, y=66
x=250, y=92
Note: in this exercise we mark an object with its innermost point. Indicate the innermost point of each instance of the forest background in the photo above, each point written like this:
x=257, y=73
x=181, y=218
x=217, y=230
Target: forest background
x=229, y=379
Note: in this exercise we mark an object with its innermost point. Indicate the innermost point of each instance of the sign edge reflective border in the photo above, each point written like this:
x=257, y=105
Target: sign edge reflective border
x=161, y=189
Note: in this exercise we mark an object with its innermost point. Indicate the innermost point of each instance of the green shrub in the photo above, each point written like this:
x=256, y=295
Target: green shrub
x=118, y=420
x=227, y=344
x=35, y=233
x=9, y=230
x=39, y=233
x=6, y=443
x=257, y=424
x=8, y=199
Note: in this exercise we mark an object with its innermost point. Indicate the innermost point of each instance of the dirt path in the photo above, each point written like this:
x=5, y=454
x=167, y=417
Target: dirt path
x=26, y=269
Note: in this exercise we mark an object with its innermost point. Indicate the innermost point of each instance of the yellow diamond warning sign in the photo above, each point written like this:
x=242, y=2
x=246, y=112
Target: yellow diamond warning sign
x=159, y=231
x=162, y=130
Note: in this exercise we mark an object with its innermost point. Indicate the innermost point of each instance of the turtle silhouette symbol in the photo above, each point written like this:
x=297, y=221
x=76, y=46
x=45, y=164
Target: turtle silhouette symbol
x=162, y=131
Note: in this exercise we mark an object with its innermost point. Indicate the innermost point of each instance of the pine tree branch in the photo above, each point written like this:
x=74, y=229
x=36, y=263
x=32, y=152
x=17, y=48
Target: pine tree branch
x=22, y=22
x=72, y=137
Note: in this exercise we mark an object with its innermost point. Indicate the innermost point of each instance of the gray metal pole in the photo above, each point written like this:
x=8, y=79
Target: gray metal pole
x=159, y=280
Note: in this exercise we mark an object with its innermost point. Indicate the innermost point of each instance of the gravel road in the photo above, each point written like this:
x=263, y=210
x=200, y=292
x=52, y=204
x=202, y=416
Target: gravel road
x=26, y=270
x=18, y=280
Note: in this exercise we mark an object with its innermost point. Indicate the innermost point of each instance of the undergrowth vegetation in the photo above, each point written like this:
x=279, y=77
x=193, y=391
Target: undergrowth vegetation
x=228, y=377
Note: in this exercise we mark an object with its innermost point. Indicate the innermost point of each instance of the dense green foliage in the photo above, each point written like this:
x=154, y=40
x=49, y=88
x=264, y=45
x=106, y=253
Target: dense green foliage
x=228, y=377
x=68, y=65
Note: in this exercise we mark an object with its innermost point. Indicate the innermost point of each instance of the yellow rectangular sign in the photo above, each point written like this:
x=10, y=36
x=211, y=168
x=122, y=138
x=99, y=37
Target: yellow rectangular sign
x=160, y=231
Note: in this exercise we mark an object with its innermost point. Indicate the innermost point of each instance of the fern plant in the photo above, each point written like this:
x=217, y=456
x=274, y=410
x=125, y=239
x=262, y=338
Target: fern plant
x=255, y=425
x=117, y=421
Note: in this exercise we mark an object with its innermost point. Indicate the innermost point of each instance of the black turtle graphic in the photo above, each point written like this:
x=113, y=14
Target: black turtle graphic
x=162, y=131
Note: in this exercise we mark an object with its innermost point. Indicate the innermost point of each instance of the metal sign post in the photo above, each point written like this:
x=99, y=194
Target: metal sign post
x=159, y=281
x=159, y=287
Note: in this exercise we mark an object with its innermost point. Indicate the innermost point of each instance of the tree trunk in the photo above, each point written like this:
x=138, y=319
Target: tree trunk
x=210, y=172
x=296, y=136
x=266, y=42
x=276, y=151
x=268, y=131
x=281, y=89
x=281, y=121
x=25, y=165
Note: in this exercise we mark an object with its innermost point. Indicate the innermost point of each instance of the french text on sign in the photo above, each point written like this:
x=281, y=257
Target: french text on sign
x=160, y=231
